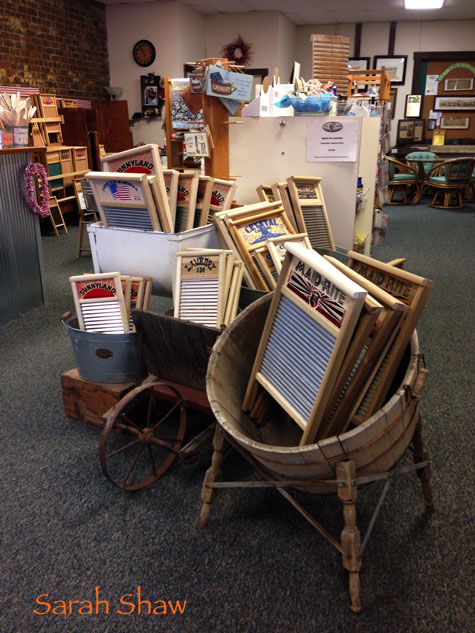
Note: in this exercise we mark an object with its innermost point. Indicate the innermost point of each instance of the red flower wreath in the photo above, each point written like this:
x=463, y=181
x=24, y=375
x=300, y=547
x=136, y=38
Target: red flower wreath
x=238, y=51
x=37, y=169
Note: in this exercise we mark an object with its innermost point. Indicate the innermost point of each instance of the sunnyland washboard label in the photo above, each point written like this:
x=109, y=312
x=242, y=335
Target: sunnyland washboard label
x=317, y=291
x=138, y=164
x=96, y=288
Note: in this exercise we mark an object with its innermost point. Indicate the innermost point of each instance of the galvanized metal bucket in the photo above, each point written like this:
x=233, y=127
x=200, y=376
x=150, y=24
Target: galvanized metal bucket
x=103, y=357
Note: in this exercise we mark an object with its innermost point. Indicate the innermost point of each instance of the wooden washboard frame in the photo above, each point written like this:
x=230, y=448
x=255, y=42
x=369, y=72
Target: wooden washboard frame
x=144, y=159
x=124, y=201
x=281, y=192
x=203, y=200
x=341, y=407
x=222, y=195
x=310, y=211
x=186, y=201
x=199, y=288
x=276, y=247
x=170, y=177
x=309, y=326
x=266, y=193
x=408, y=288
x=99, y=303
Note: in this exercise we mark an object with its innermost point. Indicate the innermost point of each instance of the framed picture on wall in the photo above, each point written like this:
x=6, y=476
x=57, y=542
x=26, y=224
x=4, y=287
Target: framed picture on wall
x=405, y=131
x=392, y=100
x=395, y=66
x=418, y=135
x=431, y=124
x=462, y=84
x=454, y=122
x=454, y=103
x=413, y=106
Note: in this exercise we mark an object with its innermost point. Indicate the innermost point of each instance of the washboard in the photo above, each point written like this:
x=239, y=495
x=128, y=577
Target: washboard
x=144, y=159
x=170, y=176
x=222, y=195
x=276, y=247
x=99, y=303
x=265, y=193
x=343, y=404
x=412, y=290
x=309, y=326
x=203, y=200
x=186, y=201
x=310, y=211
x=124, y=201
x=199, y=289
x=251, y=232
x=281, y=192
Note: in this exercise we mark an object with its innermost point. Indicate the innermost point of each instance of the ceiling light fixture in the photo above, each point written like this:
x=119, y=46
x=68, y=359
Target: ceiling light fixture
x=423, y=4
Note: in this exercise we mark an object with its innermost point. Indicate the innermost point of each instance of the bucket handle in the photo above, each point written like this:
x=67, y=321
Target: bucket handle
x=64, y=317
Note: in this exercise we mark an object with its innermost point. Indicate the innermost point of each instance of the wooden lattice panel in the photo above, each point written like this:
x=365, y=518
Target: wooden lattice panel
x=330, y=60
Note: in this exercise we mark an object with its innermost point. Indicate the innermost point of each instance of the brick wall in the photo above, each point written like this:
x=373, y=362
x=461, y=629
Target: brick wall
x=58, y=46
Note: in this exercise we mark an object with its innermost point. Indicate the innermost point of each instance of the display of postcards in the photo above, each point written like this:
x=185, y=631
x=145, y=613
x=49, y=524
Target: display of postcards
x=311, y=320
x=124, y=201
x=310, y=212
x=186, y=201
x=99, y=303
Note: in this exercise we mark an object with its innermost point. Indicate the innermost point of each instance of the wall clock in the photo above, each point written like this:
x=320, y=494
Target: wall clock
x=144, y=53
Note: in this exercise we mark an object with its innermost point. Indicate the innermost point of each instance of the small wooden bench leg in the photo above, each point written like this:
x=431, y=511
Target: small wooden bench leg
x=424, y=474
x=212, y=474
x=350, y=536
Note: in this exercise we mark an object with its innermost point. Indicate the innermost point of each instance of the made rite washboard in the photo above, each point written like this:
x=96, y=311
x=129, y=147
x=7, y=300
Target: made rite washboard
x=309, y=326
x=99, y=302
x=411, y=290
x=124, y=200
x=310, y=212
x=144, y=159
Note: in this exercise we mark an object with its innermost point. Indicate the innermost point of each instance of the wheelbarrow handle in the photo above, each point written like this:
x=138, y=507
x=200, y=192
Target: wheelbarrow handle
x=64, y=317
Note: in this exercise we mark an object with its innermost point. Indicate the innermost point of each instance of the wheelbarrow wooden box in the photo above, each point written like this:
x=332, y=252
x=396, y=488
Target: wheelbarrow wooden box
x=87, y=401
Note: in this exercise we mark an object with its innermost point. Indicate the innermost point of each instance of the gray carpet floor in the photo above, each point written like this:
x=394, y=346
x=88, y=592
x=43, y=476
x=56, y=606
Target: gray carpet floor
x=258, y=567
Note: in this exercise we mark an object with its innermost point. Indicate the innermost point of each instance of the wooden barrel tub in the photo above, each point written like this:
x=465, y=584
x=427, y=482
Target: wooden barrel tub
x=375, y=446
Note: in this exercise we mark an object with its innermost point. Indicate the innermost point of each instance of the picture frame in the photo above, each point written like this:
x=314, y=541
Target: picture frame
x=431, y=124
x=413, y=106
x=392, y=100
x=418, y=131
x=464, y=84
x=454, y=104
x=438, y=137
x=359, y=63
x=454, y=122
x=395, y=66
x=405, y=131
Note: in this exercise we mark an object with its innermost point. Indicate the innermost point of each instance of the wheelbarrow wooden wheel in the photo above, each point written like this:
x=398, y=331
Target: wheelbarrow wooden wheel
x=142, y=436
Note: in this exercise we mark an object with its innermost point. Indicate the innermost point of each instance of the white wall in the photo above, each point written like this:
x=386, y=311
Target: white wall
x=178, y=35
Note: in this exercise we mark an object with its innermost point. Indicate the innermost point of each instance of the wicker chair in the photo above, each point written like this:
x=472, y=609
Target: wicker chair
x=450, y=179
x=402, y=177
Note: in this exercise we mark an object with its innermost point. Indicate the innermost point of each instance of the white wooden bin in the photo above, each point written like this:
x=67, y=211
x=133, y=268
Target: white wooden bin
x=148, y=253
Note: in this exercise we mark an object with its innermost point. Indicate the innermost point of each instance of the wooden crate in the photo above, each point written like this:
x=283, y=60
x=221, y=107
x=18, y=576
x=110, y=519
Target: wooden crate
x=88, y=401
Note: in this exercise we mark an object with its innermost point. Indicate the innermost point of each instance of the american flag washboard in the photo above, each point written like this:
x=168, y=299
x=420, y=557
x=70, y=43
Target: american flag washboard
x=412, y=290
x=309, y=326
x=186, y=201
x=99, y=303
x=310, y=211
x=124, y=201
x=170, y=177
x=143, y=160
x=199, y=288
